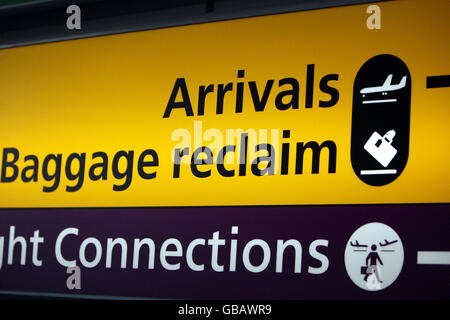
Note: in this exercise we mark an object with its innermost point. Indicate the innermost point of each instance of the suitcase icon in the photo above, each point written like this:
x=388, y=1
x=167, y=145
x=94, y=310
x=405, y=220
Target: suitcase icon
x=380, y=147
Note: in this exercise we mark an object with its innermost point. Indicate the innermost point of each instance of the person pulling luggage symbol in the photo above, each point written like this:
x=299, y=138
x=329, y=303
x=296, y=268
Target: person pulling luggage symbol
x=372, y=260
x=374, y=256
x=371, y=263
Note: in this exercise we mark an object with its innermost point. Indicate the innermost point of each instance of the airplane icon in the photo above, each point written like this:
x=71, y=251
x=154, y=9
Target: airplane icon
x=386, y=87
x=357, y=245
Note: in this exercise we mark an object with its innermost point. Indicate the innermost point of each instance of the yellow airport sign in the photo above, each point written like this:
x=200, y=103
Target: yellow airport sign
x=298, y=108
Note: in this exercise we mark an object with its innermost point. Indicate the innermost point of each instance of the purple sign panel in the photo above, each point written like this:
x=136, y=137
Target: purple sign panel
x=279, y=252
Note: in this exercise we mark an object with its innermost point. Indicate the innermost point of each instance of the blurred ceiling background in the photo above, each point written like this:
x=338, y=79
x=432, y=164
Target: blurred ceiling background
x=24, y=22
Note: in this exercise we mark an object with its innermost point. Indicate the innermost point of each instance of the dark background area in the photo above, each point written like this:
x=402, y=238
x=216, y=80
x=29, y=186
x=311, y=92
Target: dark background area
x=24, y=22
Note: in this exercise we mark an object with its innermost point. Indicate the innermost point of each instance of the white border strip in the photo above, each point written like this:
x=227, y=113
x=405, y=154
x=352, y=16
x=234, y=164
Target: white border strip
x=433, y=257
x=379, y=101
x=381, y=171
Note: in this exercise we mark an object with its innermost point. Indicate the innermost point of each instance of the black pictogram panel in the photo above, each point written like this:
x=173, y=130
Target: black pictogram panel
x=381, y=120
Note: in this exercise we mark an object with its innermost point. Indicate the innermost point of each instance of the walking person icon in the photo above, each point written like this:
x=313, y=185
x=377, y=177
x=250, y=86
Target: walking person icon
x=371, y=264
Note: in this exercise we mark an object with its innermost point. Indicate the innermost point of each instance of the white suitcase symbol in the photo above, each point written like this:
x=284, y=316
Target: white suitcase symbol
x=380, y=147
